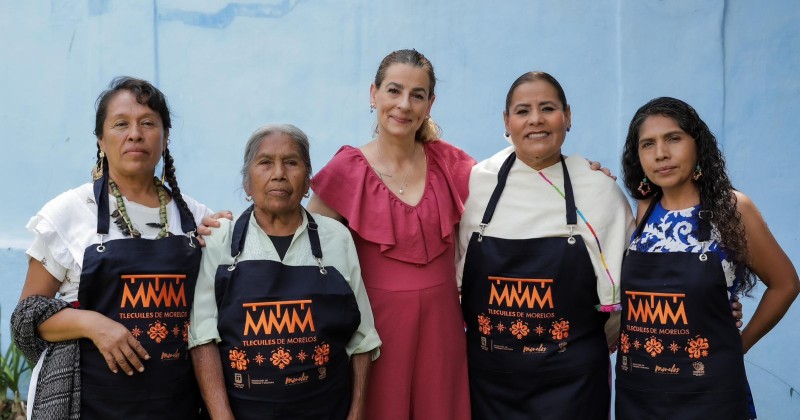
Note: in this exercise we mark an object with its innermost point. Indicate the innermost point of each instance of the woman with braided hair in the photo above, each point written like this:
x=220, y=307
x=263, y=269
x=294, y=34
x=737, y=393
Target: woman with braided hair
x=111, y=276
x=698, y=243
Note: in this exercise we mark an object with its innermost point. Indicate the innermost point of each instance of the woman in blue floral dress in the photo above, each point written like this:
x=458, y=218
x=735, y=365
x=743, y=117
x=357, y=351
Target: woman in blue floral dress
x=698, y=243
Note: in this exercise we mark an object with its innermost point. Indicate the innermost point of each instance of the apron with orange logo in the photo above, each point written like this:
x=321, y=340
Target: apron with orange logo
x=147, y=286
x=680, y=354
x=535, y=342
x=283, y=333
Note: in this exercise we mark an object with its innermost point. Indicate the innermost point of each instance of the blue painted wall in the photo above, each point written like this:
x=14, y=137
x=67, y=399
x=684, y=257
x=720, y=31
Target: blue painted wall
x=229, y=67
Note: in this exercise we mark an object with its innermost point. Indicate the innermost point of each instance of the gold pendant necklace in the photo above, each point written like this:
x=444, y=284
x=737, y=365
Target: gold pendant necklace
x=401, y=186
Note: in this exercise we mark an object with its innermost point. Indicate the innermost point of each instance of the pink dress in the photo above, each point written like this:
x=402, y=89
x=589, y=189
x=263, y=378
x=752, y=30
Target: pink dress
x=407, y=261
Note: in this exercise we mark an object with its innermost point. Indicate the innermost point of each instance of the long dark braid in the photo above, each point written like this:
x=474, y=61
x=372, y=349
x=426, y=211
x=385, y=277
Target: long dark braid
x=716, y=190
x=169, y=172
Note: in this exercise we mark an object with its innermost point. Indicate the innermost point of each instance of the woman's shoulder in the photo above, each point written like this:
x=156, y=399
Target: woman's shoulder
x=492, y=165
x=220, y=237
x=348, y=163
x=198, y=209
x=346, y=155
x=750, y=214
x=331, y=226
x=65, y=207
x=442, y=149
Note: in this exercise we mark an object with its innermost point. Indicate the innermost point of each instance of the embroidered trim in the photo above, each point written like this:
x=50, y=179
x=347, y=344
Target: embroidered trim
x=596, y=239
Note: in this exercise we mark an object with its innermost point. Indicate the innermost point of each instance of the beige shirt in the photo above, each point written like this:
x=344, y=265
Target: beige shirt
x=338, y=251
x=531, y=208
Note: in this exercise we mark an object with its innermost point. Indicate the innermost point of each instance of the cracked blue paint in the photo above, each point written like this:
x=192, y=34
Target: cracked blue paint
x=229, y=13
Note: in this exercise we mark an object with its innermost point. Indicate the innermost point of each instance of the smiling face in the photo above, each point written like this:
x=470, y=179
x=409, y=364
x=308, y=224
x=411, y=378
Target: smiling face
x=667, y=153
x=133, y=137
x=402, y=100
x=537, y=123
x=277, y=177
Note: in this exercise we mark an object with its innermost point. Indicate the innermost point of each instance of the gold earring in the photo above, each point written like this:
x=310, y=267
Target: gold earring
x=97, y=171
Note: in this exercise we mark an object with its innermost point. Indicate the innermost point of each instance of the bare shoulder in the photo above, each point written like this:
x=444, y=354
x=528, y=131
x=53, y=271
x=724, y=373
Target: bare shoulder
x=316, y=205
x=744, y=204
x=751, y=217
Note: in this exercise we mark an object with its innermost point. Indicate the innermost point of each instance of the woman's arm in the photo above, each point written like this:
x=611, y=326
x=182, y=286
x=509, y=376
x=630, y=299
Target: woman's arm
x=118, y=347
x=316, y=205
x=208, y=370
x=768, y=261
x=361, y=364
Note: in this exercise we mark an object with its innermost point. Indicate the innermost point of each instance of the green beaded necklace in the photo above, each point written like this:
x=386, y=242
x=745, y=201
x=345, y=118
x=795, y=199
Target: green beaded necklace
x=122, y=219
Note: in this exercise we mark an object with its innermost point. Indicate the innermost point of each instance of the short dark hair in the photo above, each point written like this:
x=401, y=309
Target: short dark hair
x=145, y=94
x=533, y=76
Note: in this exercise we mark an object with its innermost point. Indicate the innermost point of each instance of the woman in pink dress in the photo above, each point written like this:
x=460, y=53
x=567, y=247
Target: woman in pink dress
x=402, y=196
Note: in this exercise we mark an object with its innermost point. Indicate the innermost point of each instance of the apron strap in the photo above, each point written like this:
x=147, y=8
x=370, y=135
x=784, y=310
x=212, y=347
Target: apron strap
x=103, y=211
x=240, y=233
x=502, y=177
x=101, y=198
x=569, y=196
x=703, y=223
x=187, y=219
x=313, y=236
x=647, y=213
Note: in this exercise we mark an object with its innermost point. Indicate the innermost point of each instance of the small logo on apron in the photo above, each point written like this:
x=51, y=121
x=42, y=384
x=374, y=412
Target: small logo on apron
x=699, y=368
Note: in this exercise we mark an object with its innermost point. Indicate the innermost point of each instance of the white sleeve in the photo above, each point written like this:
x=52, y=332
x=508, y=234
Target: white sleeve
x=204, y=314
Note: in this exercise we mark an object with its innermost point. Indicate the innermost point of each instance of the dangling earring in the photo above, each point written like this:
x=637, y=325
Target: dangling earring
x=505, y=134
x=698, y=173
x=97, y=171
x=371, y=107
x=307, y=194
x=248, y=198
x=644, y=187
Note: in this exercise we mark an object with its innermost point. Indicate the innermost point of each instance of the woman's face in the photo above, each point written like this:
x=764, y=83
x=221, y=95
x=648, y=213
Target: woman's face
x=667, y=153
x=402, y=101
x=133, y=137
x=278, y=176
x=537, y=123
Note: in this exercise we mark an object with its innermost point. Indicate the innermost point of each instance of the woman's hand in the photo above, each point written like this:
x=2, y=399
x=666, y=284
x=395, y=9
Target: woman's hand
x=118, y=347
x=209, y=222
x=597, y=166
x=736, y=308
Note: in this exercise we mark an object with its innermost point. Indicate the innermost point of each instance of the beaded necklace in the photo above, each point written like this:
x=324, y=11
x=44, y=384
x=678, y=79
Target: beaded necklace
x=123, y=221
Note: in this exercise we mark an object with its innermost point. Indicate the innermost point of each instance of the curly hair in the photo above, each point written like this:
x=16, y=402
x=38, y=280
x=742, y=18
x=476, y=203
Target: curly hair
x=715, y=188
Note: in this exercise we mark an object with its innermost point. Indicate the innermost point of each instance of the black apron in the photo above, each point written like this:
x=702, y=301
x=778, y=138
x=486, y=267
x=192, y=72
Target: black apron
x=283, y=333
x=535, y=342
x=680, y=354
x=147, y=286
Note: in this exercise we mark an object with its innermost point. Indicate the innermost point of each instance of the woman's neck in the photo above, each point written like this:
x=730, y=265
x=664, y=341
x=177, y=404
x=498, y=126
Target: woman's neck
x=395, y=151
x=277, y=224
x=139, y=189
x=680, y=197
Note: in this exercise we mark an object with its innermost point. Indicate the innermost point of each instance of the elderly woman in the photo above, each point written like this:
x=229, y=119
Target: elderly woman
x=281, y=314
x=111, y=276
x=541, y=243
x=699, y=243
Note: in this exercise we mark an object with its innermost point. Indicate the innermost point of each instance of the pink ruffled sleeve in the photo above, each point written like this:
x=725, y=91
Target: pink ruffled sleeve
x=413, y=234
